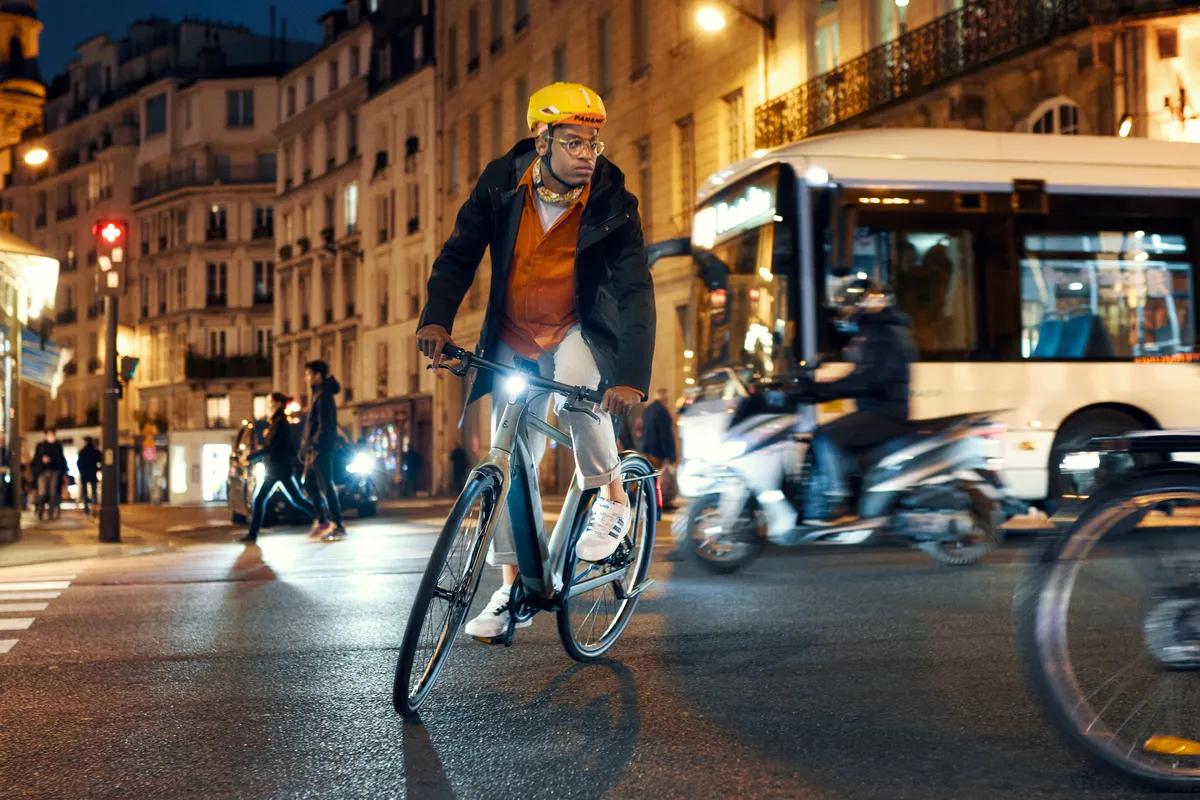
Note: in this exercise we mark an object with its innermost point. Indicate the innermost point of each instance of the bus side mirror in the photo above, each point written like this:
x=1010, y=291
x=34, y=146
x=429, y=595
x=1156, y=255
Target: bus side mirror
x=845, y=224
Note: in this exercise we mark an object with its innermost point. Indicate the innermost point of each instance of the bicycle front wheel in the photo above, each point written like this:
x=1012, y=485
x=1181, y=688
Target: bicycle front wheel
x=591, y=620
x=1108, y=626
x=445, y=594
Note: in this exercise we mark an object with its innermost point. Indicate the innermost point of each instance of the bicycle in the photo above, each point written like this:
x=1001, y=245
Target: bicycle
x=550, y=577
x=1107, y=617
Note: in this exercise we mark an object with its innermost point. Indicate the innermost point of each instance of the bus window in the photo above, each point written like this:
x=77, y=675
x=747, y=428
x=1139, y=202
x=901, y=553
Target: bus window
x=932, y=274
x=1103, y=294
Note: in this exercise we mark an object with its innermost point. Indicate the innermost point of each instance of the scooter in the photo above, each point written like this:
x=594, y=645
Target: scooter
x=937, y=488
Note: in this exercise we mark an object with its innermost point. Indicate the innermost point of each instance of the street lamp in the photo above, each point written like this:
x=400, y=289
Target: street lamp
x=711, y=18
x=36, y=156
x=1126, y=126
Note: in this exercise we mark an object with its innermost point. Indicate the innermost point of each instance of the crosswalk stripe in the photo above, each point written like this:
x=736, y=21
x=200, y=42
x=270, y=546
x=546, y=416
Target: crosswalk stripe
x=6, y=645
x=15, y=623
x=30, y=595
x=33, y=586
x=7, y=608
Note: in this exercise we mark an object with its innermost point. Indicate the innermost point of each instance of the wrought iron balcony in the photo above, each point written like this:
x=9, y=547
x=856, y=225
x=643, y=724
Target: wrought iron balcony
x=950, y=47
x=198, y=367
x=203, y=176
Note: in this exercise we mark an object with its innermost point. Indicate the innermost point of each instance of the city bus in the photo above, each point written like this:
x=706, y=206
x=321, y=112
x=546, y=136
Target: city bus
x=1052, y=276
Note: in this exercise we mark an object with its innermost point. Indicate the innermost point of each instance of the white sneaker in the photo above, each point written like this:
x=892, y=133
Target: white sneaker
x=605, y=528
x=494, y=619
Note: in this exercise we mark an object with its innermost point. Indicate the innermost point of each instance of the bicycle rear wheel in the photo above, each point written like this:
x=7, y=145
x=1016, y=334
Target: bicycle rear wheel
x=1108, y=629
x=445, y=594
x=591, y=620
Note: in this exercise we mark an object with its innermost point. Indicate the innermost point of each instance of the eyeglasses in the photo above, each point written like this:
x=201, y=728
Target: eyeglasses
x=574, y=147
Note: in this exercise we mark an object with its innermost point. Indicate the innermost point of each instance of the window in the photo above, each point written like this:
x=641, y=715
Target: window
x=289, y=228
x=1059, y=115
x=291, y=101
x=163, y=279
x=641, y=38
x=1099, y=294
x=217, y=284
x=604, y=55
x=216, y=344
x=497, y=25
x=381, y=217
x=381, y=279
x=473, y=39
x=93, y=188
x=355, y=60
x=264, y=281
x=216, y=224
x=181, y=289
x=216, y=410
x=264, y=222
x=560, y=63
x=685, y=167
x=735, y=125
x=381, y=369
x=473, y=147
x=262, y=341
x=452, y=159
x=330, y=142
x=522, y=16
x=522, y=109
x=330, y=217
x=156, y=115
x=181, y=227
x=306, y=221
x=825, y=43
x=384, y=56
x=310, y=90
x=260, y=403
x=451, y=57
x=642, y=146
x=497, y=131
x=351, y=135
x=414, y=207
x=888, y=21
x=333, y=75
x=239, y=109
x=350, y=207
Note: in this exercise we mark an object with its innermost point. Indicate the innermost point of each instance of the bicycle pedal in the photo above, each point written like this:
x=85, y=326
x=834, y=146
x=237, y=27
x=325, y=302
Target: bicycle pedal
x=494, y=640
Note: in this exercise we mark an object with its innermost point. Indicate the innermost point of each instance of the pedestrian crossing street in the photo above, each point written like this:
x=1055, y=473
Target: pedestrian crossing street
x=25, y=591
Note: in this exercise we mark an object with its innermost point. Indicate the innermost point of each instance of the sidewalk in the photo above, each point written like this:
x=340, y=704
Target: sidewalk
x=73, y=537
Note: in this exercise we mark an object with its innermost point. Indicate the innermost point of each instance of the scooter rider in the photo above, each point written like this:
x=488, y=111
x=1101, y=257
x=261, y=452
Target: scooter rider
x=881, y=351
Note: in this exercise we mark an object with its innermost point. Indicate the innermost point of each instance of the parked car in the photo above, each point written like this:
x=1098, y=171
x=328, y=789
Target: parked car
x=354, y=477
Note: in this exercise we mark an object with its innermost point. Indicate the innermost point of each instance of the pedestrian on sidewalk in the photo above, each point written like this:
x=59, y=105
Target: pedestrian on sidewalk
x=277, y=454
x=410, y=463
x=316, y=453
x=88, y=465
x=49, y=465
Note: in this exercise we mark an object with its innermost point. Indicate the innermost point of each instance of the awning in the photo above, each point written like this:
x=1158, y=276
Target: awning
x=34, y=272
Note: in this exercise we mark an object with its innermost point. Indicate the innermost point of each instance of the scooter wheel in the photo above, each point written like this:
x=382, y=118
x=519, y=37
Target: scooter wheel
x=721, y=551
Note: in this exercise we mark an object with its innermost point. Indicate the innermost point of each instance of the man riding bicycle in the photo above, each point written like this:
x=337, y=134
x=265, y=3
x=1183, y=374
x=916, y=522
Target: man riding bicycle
x=570, y=290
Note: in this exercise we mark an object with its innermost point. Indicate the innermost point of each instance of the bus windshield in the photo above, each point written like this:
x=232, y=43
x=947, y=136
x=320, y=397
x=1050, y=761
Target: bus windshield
x=742, y=296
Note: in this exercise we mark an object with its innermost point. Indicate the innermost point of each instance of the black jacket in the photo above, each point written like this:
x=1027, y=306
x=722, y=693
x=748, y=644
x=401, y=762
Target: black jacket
x=614, y=295
x=278, y=451
x=882, y=351
x=658, y=434
x=88, y=463
x=58, y=461
x=320, y=429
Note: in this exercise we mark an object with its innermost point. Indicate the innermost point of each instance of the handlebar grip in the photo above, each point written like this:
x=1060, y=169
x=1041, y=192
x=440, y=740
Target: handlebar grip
x=452, y=351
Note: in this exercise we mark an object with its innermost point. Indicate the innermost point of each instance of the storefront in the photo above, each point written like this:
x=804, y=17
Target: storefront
x=399, y=433
x=28, y=280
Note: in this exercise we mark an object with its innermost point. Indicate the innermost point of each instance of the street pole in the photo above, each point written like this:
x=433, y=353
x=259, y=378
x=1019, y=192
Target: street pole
x=110, y=508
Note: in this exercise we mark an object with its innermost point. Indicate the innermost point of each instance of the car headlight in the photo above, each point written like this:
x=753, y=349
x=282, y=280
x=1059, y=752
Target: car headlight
x=362, y=463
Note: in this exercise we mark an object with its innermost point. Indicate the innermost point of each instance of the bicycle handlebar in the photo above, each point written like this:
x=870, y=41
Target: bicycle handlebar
x=468, y=360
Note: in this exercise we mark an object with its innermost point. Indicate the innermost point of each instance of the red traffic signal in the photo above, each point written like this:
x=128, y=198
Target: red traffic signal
x=109, y=232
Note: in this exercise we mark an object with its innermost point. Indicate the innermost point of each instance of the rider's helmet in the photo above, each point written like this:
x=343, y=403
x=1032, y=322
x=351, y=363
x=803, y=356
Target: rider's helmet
x=564, y=104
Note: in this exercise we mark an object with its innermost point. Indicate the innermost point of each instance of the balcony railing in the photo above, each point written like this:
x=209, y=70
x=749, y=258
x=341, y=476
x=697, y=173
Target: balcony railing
x=66, y=316
x=203, y=176
x=66, y=212
x=199, y=367
x=261, y=299
x=948, y=48
x=217, y=301
x=93, y=366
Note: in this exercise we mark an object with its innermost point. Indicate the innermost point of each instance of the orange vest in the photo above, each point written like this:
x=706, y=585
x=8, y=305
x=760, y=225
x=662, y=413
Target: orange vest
x=539, y=307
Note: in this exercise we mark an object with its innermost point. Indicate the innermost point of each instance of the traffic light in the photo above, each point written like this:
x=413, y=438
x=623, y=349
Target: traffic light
x=111, y=250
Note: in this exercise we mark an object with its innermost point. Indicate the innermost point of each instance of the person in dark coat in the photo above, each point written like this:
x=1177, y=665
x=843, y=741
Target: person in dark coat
x=658, y=431
x=882, y=352
x=277, y=456
x=316, y=453
x=88, y=464
x=49, y=467
x=410, y=465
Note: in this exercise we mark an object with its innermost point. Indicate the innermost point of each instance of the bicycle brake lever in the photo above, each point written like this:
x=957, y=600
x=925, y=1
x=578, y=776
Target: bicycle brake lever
x=592, y=414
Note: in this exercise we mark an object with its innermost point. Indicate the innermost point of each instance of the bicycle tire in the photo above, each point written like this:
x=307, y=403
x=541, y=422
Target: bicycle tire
x=1038, y=589
x=484, y=487
x=645, y=512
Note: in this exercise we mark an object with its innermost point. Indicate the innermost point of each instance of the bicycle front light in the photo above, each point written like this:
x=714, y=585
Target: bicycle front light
x=516, y=385
x=260, y=472
x=361, y=464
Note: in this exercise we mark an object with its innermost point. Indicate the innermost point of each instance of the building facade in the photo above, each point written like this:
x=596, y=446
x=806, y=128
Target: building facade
x=318, y=295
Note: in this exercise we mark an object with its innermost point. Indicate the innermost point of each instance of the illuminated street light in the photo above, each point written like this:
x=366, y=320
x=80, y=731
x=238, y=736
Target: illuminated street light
x=1126, y=126
x=36, y=157
x=902, y=3
x=710, y=19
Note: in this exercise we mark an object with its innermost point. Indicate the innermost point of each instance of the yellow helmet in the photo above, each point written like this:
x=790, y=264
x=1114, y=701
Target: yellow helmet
x=566, y=104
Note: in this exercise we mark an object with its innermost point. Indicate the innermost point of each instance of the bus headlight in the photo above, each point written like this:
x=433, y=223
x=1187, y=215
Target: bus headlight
x=361, y=464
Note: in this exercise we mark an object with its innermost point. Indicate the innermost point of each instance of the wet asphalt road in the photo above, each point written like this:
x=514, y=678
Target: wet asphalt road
x=222, y=671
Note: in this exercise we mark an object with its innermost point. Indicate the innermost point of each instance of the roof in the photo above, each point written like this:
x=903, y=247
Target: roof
x=923, y=158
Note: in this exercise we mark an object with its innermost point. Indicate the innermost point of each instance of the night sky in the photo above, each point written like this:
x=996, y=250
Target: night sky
x=69, y=22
